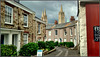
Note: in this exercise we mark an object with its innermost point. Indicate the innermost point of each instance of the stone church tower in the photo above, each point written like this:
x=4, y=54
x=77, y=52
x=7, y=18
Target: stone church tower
x=61, y=18
x=44, y=16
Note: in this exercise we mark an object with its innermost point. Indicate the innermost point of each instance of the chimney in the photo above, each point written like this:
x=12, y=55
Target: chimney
x=72, y=19
x=56, y=22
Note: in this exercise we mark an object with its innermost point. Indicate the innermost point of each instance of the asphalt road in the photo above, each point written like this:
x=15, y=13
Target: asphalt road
x=59, y=52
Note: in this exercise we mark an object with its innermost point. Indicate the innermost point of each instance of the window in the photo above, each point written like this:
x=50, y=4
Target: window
x=49, y=33
x=65, y=32
x=55, y=32
x=39, y=29
x=56, y=40
x=75, y=31
x=25, y=38
x=49, y=39
x=65, y=40
x=25, y=20
x=71, y=31
x=71, y=40
x=8, y=14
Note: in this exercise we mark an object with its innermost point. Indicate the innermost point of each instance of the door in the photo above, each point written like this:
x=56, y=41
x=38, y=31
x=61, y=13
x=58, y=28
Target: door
x=2, y=39
x=92, y=19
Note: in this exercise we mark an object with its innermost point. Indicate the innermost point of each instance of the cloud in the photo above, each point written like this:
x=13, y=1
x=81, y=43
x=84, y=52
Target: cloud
x=53, y=8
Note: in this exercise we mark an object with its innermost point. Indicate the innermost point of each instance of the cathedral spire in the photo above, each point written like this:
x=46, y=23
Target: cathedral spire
x=42, y=14
x=44, y=11
x=61, y=9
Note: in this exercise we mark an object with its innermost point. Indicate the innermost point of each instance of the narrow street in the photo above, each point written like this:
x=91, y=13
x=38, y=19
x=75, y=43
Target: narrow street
x=63, y=52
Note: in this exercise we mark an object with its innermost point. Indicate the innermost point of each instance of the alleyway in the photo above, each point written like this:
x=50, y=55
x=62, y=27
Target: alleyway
x=63, y=52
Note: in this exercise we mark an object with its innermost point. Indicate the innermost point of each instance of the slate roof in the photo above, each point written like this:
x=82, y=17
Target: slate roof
x=63, y=25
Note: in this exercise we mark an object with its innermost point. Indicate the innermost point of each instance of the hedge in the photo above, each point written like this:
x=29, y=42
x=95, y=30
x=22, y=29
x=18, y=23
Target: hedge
x=50, y=45
x=70, y=44
x=8, y=50
x=41, y=44
x=29, y=49
x=56, y=43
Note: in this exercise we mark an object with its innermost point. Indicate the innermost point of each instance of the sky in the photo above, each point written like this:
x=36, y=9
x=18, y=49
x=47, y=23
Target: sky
x=52, y=9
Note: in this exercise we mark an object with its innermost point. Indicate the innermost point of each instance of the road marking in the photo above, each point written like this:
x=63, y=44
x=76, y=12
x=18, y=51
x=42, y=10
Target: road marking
x=59, y=52
x=66, y=53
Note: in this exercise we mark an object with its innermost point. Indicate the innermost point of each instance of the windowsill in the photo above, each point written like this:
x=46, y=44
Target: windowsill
x=9, y=24
x=39, y=33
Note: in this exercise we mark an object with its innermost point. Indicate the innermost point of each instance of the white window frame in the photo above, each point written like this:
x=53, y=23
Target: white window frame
x=56, y=39
x=49, y=39
x=71, y=32
x=11, y=15
x=71, y=40
x=38, y=29
x=65, y=39
x=23, y=38
x=27, y=19
x=49, y=33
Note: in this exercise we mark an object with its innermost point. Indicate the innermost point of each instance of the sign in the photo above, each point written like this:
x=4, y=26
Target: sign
x=39, y=52
x=96, y=33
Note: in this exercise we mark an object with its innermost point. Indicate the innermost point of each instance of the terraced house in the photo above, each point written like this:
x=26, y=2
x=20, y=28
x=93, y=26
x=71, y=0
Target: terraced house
x=62, y=31
x=19, y=24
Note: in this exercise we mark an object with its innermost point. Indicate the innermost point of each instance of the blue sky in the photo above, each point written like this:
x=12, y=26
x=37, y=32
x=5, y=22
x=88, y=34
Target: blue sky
x=53, y=8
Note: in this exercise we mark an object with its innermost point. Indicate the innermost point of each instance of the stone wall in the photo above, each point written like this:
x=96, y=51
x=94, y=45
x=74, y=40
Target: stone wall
x=18, y=21
x=83, y=37
x=43, y=31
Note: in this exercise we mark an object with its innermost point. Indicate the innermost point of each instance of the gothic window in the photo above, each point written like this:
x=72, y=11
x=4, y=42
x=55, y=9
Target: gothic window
x=8, y=14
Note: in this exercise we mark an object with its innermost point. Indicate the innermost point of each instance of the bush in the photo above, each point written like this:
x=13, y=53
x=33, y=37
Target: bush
x=41, y=44
x=61, y=43
x=56, y=43
x=8, y=50
x=29, y=49
x=50, y=45
x=70, y=44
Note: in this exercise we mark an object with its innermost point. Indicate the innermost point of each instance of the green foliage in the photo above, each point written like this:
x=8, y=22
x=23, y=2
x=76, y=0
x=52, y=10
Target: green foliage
x=56, y=43
x=61, y=43
x=29, y=49
x=41, y=44
x=70, y=44
x=50, y=45
x=8, y=50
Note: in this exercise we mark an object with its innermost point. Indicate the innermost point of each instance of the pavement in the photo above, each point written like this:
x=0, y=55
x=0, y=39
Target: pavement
x=63, y=52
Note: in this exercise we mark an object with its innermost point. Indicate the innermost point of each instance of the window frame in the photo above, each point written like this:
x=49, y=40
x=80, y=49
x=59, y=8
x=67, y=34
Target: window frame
x=7, y=15
x=27, y=19
x=56, y=32
x=27, y=38
x=50, y=33
x=71, y=32
x=38, y=28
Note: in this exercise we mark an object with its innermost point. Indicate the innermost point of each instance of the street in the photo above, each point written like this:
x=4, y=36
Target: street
x=63, y=52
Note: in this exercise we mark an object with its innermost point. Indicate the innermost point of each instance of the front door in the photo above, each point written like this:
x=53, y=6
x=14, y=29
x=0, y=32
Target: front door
x=2, y=39
x=92, y=19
